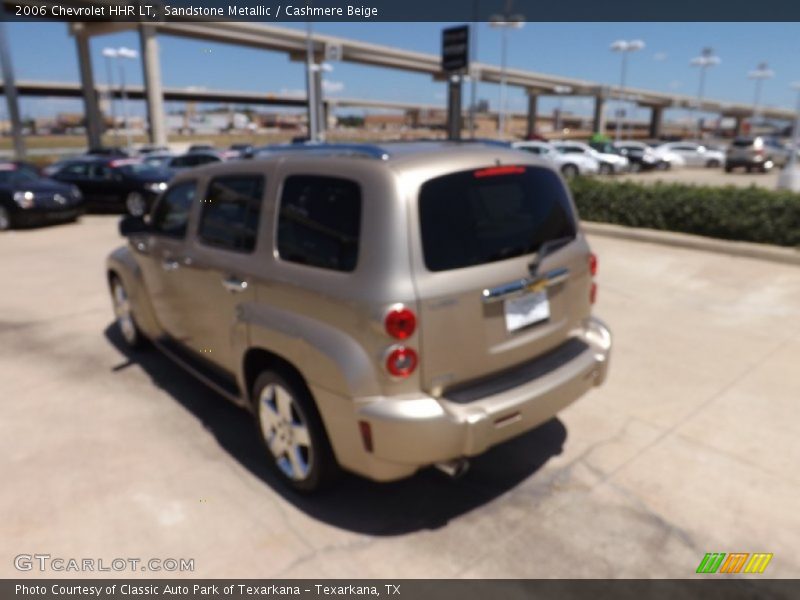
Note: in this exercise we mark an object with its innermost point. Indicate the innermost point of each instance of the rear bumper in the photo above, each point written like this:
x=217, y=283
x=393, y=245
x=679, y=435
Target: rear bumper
x=41, y=216
x=412, y=432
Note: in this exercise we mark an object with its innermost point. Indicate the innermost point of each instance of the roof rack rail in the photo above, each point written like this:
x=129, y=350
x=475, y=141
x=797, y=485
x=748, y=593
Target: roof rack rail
x=363, y=150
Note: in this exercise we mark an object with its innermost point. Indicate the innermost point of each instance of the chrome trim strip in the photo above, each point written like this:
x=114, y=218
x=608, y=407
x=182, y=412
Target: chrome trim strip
x=522, y=286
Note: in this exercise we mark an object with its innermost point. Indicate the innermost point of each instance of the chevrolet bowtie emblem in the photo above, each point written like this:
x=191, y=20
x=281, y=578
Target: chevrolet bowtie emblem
x=537, y=285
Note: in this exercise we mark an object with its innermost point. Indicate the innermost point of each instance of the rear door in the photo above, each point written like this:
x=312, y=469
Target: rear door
x=503, y=274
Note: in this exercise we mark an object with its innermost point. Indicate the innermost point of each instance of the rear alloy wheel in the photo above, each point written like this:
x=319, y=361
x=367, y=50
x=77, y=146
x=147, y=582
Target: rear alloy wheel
x=136, y=204
x=125, y=321
x=713, y=164
x=292, y=432
x=5, y=219
x=569, y=171
x=605, y=169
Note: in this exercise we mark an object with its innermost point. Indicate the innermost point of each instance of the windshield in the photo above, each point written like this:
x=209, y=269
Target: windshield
x=477, y=217
x=11, y=175
x=140, y=169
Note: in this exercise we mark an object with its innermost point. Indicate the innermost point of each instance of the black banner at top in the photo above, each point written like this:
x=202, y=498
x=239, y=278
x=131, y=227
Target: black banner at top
x=278, y=11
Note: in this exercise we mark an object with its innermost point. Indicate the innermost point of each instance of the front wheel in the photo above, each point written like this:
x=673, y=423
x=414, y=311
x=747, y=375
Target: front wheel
x=569, y=171
x=126, y=324
x=713, y=164
x=292, y=431
x=605, y=169
x=136, y=204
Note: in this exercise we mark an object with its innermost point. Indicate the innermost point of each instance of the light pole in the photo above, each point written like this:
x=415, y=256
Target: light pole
x=561, y=90
x=790, y=177
x=706, y=59
x=111, y=53
x=505, y=22
x=761, y=72
x=624, y=47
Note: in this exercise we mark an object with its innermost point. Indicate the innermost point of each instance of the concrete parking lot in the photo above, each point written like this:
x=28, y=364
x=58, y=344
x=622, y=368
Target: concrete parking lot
x=691, y=447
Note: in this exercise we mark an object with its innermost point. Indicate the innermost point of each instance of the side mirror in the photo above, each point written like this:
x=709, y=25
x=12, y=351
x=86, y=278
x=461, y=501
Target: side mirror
x=130, y=225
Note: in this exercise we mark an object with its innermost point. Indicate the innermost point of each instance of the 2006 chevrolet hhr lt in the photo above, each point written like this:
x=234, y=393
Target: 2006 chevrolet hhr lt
x=378, y=309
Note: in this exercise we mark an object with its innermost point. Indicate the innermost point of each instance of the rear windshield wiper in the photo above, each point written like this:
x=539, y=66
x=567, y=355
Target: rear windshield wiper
x=548, y=248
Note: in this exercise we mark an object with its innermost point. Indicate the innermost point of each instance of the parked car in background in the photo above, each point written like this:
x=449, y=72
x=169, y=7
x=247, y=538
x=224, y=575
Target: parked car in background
x=610, y=162
x=127, y=185
x=377, y=308
x=641, y=156
x=202, y=148
x=570, y=165
x=749, y=153
x=241, y=150
x=27, y=198
x=110, y=151
x=152, y=149
x=190, y=160
x=693, y=154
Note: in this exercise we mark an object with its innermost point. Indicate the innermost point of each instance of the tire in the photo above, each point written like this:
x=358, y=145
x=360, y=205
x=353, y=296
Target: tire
x=663, y=166
x=569, y=171
x=605, y=169
x=136, y=204
x=713, y=164
x=5, y=219
x=125, y=321
x=292, y=432
x=728, y=169
x=635, y=167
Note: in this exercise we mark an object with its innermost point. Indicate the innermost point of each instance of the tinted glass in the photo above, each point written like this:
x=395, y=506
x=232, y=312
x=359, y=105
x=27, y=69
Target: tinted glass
x=81, y=169
x=471, y=218
x=12, y=175
x=230, y=212
x=171, y=213
x=320, y=222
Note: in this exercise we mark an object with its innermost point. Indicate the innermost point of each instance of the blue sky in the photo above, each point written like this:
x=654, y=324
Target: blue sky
x=44, y=51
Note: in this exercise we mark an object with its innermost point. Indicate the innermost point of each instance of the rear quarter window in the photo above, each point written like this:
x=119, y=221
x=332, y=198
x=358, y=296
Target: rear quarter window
x=476, y=217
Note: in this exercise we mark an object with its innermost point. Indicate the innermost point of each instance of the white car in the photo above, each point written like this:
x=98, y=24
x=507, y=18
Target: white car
x=609, y=163
x=570, y=165
x=693, y=154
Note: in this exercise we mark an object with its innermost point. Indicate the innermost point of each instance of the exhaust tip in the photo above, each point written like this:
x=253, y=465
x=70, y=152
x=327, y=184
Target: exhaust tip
x=453, y=468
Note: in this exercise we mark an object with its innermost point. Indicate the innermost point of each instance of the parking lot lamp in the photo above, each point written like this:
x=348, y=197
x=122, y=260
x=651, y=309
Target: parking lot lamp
x=706, y=60
x=624, y=47
x=131, y=54
x=760, y=73
x=789, y=178
x=505, y=22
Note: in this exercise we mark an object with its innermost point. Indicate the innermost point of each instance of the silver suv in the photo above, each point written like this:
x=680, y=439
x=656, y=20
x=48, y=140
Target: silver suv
x=378, y=309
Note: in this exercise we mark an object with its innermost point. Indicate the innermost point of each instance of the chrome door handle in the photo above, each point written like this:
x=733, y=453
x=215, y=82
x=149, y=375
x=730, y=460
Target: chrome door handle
x=234, y=284
x=521, y=286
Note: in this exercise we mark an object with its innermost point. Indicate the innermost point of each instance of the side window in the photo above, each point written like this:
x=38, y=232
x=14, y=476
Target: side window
x=319, y=222
x=100, y=172
x=171, y=213
x=230, y=212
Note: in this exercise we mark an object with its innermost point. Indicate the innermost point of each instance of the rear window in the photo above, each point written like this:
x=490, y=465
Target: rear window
x=477, y=217
x=743, y=143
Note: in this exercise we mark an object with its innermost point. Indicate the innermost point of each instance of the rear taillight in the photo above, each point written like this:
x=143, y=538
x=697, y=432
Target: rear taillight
x=400, y=323
x=401, y=361
x=593, y=271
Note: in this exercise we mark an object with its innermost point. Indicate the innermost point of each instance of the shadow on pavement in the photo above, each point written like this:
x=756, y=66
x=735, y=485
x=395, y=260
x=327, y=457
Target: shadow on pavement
x=428, y=500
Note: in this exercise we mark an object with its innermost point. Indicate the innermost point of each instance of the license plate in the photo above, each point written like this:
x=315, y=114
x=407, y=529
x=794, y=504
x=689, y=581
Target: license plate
x=526, y=310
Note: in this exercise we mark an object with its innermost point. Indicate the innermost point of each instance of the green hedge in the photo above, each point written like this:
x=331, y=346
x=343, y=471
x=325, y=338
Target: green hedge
x=732, y=213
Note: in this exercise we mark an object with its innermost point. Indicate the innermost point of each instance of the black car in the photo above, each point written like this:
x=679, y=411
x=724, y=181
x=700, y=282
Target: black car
x=241, y=150
x=641, y=156
x=26, y=198
x=108, y=151
x=127, y=185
